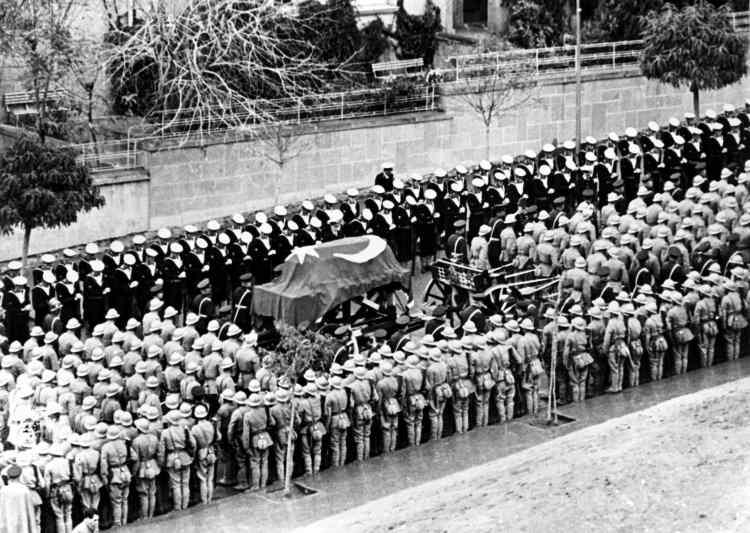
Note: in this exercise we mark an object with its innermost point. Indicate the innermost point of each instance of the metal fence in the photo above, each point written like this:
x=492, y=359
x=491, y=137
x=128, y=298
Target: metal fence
x=545, y=61
x=554, y=61
x=325, y=107
x=106, y=156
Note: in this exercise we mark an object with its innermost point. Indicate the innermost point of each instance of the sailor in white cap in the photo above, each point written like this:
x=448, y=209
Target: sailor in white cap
x=351, y=208
x=17, y=306
x=385, y=177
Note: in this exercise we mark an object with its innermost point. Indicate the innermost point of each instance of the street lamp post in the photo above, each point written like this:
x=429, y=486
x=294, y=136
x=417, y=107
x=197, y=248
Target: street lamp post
x=578, y=76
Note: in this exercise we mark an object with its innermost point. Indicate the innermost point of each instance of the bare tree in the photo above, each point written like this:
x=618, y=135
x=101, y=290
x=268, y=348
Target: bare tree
x=280, y=143
x=216, y=61
x=494, y=90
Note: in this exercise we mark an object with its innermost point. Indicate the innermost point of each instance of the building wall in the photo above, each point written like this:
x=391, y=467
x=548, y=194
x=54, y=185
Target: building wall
x=193, y=184
x=125, y=212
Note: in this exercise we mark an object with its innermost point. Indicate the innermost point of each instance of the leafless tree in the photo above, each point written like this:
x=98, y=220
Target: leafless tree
x=493, y=90
x=213, y=58
x=280, y=143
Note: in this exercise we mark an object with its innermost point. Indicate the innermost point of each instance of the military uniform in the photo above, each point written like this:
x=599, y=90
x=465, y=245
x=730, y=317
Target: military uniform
x=113, y=465
x=176, y=449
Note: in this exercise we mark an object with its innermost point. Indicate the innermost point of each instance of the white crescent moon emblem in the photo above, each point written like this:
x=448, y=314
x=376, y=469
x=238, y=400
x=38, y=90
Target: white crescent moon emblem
x=375, y=247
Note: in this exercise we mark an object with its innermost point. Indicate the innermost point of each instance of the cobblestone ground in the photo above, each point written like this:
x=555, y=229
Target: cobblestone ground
x=683, y=465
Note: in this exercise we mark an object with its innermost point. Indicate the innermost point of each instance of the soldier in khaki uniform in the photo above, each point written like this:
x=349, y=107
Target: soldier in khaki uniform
x=482, y=372
x=438, y=391
x=529, y=349
x=504, y=378
x=577, y=358
x=113, y=466
x=462, y=385
x=704, y=324
x=313, y=430
x=281, y=417
x=58, y=478
x=337, y=420
x=732, y=320
x=656, y=341
x=176, y=451
x=143, y=453
x=615, y=346
x=412, y=380
x=389, y=407
x=256, y=441
x=633, y=334
x=362, y=395
x=86, y=473
x=205, y=456
x=679, y=333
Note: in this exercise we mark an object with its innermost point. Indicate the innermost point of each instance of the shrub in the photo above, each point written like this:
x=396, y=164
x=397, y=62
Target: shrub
x=416, y=35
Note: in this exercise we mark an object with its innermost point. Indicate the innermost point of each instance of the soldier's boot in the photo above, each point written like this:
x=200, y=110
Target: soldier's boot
x=316, y=463
x=535, y=398
x=529, y=403
x=334, y=446
x=359, y=443
x=116, y=506
x=465, y=416
x=152, y=499
x=509, y=410
x=457, y=419
x=703, y=354
x=210, y=488
x=433, y=426
x=366, y=439
x=344, y=451
x=575, y=392
x=185, y=488
x=255, y=474
x=486, y=410
x=440, y=425
x=410, y=433
x=500, y=406
x=418, y=433
x=280, y=463
x=386, y=438
x=203, y=490
x=125, y=507
x=263, y=468
x=481, y=419
x=308, y=464
x=242, y=479
x=142, y=505
x=711, y=350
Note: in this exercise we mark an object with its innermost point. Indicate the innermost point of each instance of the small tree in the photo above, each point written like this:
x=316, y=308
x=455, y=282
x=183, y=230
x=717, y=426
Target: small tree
x=298, y=350
x=37, y=33
x=42, y=186
x=493, y=91
x=695, y=47
x=279, y=143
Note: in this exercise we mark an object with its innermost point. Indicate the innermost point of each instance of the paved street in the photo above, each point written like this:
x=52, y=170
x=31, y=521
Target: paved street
x=357, y=484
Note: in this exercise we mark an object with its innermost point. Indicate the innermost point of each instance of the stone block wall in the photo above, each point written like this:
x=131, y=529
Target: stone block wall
x=192, y=184
x=125, y=212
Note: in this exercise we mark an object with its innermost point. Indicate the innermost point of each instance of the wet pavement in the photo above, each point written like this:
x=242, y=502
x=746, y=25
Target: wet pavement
x=359, y=483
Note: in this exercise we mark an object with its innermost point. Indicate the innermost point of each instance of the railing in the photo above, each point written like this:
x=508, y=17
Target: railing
x=307, y=109
x=545, y=62
x=554, y=61
x=107, y=156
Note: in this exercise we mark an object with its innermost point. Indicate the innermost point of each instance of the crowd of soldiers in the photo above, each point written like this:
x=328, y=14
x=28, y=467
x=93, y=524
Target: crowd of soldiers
x=131, y=381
